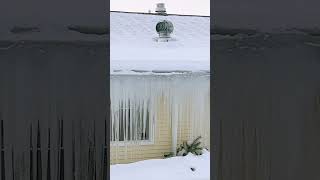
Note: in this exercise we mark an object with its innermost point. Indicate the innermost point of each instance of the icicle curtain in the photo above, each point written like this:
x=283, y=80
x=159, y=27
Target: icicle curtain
x=53, y=111
x=136, y=101
x=132, y=122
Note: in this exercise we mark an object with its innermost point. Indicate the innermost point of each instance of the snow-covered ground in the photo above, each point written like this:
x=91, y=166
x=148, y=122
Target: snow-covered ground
x=132, y=44
x=175, y=168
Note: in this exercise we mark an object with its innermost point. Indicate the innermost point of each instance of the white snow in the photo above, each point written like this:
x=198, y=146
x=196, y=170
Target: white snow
x=175, y=168
x=132, y=44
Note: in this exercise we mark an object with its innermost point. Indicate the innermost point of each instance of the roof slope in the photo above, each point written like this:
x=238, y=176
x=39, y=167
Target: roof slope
x=133, y=48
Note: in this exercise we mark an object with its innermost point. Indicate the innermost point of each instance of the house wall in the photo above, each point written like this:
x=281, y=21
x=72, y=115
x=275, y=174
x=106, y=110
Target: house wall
x=190, y=109
x=162, y=140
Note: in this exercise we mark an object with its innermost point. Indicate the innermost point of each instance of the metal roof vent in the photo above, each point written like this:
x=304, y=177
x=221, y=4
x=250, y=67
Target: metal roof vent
x=161, y=9
x=164, y=29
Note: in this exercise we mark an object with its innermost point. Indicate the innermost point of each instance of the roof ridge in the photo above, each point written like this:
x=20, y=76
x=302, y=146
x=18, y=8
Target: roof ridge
x=145, y=13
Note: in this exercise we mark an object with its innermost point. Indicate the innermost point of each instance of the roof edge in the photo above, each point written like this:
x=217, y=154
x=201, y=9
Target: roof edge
x=156, y=14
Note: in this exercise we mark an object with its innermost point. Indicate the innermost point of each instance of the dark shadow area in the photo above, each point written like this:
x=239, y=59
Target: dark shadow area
x=54, y=90
x=265, y=90
x=89, y=29
x=216, y=30
x=265, y=15
x=53, y=97
x=24, y=29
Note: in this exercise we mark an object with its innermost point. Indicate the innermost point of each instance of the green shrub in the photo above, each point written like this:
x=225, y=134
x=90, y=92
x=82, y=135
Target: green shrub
x=186, y=148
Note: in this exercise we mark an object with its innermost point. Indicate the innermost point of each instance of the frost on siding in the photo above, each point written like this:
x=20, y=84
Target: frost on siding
x=136, y=101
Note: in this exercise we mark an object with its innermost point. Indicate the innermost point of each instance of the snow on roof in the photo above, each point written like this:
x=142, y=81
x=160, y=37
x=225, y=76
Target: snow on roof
x=133, y=49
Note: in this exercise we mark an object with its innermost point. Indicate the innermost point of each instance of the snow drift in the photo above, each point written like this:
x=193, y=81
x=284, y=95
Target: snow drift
x=175, y=168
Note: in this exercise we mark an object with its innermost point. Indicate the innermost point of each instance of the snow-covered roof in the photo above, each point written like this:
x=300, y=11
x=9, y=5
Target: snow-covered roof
x=133, y=49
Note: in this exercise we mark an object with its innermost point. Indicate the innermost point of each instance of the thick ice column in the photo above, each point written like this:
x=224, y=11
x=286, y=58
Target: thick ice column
x=174, y=127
